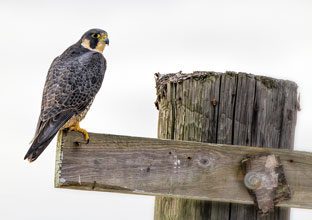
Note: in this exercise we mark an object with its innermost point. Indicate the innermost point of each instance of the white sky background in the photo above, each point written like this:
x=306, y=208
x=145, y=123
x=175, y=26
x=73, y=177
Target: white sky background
x=272, y=38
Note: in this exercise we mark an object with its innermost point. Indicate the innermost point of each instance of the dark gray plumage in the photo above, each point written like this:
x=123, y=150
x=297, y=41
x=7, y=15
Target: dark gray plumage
x=73, y=80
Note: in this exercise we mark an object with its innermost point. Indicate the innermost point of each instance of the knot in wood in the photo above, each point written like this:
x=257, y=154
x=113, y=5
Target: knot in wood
x=206, y=161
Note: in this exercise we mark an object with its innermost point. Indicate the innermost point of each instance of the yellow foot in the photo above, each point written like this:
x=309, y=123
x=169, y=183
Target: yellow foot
x=77, y=128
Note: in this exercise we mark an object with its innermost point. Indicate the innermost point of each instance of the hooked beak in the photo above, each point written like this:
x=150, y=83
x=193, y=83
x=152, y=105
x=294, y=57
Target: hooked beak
x=104, y=38
x=106, y=41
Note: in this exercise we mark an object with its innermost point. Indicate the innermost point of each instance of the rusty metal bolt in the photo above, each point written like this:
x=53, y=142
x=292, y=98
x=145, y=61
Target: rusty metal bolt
x=214, y=102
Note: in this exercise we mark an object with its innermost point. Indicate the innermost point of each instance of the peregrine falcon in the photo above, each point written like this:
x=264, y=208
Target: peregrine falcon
x=73, y=80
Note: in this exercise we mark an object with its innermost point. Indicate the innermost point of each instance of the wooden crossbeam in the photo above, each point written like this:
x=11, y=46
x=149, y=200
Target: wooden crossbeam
x=191, y=170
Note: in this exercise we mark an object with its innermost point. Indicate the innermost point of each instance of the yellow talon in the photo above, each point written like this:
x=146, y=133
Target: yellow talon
x=76, y=127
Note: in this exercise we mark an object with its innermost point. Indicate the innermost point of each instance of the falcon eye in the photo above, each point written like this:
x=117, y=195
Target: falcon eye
x=95, y=35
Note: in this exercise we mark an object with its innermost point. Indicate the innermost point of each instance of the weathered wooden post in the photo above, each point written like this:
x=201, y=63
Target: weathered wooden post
x=228, y=108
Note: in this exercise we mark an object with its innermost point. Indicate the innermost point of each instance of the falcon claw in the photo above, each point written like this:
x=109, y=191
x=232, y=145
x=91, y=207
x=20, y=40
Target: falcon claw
x=77, y=128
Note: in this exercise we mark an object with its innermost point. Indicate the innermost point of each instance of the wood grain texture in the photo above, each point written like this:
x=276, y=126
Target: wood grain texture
x=228, y=108
x=171, y=168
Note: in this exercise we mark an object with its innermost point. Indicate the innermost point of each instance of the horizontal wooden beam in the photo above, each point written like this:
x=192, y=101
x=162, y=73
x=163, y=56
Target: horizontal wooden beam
x=171, y=168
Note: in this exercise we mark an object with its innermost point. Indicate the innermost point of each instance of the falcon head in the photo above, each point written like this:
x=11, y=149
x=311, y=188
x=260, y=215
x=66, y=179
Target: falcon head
x=95, y=40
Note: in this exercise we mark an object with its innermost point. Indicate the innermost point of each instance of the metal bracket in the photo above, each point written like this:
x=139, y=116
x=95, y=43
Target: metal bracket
x=265, y=181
